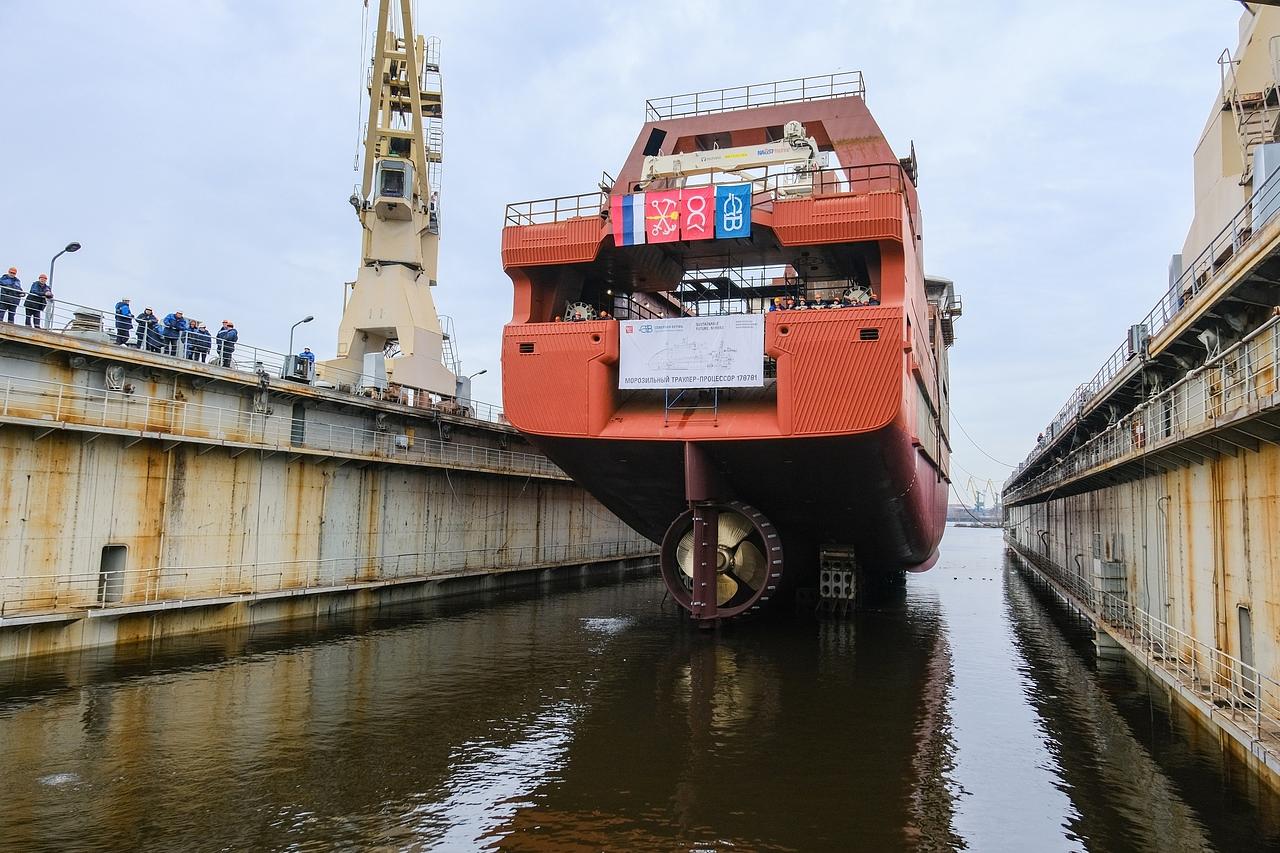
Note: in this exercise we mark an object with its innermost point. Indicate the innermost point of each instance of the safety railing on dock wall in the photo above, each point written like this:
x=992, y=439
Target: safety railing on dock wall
x=57, y=403
x=1239, y=691
x=54, y=593
x=842, y=84
x=1225, y=384
x=1239, y=233
x=98, y=325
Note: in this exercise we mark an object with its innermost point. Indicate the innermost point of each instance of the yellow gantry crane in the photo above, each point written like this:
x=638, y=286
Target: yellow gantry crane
x=390, y=331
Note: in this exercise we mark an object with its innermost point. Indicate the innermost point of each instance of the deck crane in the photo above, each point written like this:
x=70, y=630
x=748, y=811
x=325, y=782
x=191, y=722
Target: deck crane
x=794, y=148
x=390, y=331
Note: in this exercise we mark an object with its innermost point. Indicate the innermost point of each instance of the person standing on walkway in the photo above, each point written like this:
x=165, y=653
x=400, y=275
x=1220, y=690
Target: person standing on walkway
x=37, y=299
x=175, y=327
x=10, y=294
x=198, y=342
x=149, y=332
x=227, y=337
x=124, y=321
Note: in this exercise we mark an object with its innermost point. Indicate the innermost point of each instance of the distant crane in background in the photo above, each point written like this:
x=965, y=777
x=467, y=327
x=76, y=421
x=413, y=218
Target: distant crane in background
x=980, y=491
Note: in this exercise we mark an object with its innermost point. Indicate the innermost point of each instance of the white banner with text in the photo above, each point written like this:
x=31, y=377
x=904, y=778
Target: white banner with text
x=692, y=352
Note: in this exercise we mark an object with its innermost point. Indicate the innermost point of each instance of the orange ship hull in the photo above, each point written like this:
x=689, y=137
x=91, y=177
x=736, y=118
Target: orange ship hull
x=844, y=445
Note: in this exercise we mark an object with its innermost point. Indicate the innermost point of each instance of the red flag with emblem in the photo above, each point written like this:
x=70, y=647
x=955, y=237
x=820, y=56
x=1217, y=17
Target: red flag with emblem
x=662, y=216
x=698, y=213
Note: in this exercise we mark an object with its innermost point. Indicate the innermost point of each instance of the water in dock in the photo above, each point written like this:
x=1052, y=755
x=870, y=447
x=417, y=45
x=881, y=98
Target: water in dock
x=963, y=712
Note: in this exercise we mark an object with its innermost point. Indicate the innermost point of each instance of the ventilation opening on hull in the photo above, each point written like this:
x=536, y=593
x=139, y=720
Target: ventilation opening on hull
x=526, y=347
x=868, y=334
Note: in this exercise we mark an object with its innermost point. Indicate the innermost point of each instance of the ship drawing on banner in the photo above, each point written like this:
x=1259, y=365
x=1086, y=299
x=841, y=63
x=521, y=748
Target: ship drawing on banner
x=688, y=354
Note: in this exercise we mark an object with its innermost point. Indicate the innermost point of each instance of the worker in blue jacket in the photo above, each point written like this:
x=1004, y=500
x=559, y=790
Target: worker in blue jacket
x=37, y=299
x=149, y=331
x=227, y=337
x=10, y=294
x=124, y=321
x=175, y=327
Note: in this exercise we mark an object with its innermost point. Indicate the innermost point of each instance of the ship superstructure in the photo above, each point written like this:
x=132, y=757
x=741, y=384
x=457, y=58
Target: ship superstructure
x=734, y=345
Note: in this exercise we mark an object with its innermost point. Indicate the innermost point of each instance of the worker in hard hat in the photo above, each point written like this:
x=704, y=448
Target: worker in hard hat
x=124, y=321
x=37, y=299
x=10, y=294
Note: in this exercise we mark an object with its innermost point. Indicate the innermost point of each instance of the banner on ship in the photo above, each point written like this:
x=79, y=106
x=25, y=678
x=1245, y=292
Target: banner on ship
x=699, y=213
x=692, y=352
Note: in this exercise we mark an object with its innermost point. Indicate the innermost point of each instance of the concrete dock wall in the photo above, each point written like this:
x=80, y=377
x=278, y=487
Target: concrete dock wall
x=1198, y=547
x=142, y=495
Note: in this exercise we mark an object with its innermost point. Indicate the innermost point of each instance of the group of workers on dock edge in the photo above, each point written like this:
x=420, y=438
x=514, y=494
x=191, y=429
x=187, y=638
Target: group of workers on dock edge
x=11, y=295
x=174, y=335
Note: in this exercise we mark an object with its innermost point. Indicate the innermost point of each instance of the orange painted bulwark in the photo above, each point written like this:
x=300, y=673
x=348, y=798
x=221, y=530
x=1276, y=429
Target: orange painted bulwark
x=571, y=241
x=838, y=219
x=830, y=381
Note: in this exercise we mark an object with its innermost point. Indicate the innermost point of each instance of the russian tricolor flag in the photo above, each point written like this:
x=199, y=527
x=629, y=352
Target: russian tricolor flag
x=627, y=213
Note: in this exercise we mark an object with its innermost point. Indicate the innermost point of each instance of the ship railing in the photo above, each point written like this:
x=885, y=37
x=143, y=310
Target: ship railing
x=1239, y=691
x=843, y=84
x=1240, y=232
x=1243, y=375
x=56, y=403
x=545, y=210
x=770, y=184
x=98, y=325
x=22, y=594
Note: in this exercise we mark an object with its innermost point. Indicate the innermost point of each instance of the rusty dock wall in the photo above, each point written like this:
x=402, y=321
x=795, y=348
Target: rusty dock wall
x=143, y=496
x=1166, y=525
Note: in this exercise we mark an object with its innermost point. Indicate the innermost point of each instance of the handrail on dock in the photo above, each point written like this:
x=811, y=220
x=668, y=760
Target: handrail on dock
x=58, y=403
x=170, y=584
x=97, y=325
x=1245, y=373
x=1240, y=232
x=1239, y=691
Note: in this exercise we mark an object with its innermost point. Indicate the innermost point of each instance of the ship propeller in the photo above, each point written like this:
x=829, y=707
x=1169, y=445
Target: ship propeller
x=748, y=564
x=742, y=537
x=732, y=528
x=684, y=554
x=726, y=589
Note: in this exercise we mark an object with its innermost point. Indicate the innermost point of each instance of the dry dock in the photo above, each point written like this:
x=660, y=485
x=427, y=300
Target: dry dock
x=147, y=496
x=1152, y=500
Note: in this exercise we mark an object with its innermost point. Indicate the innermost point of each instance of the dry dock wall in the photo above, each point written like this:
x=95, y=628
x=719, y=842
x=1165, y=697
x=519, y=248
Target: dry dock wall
x=196, y=498
x=1197, y=547
x=1181, y=570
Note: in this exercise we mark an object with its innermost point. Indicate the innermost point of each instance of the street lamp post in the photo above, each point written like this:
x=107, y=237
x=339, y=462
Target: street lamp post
x=70, y=247
x=462, y=389
x=291, y=358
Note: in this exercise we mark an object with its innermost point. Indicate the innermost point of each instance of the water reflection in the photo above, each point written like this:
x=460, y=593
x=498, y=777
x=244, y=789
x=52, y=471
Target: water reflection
x=957, y=712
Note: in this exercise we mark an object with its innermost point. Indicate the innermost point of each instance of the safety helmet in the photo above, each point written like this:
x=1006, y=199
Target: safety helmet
x=13, y=270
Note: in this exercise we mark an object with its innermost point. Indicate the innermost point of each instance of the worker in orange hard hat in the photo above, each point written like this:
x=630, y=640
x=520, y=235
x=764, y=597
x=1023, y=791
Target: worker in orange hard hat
x=10, y=294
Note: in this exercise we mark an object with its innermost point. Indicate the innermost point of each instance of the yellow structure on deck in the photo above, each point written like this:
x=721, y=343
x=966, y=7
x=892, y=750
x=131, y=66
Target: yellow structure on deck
x=390, y=331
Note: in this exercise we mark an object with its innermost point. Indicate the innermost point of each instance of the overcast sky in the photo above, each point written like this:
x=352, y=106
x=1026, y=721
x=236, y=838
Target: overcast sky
x=202, y=152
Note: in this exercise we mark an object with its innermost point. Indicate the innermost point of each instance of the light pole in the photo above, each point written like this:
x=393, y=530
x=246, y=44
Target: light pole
x=70, y=247
x=291, y=358
x=462, y=389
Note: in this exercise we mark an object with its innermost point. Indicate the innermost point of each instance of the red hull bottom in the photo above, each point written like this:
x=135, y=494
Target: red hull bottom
x=872, y=491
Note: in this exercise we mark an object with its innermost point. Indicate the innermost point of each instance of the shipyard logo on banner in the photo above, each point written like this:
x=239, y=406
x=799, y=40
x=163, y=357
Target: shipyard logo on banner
x=700, y=213
x=733, y=210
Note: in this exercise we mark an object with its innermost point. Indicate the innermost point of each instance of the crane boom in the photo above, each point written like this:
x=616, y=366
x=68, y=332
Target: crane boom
x=794, y=147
